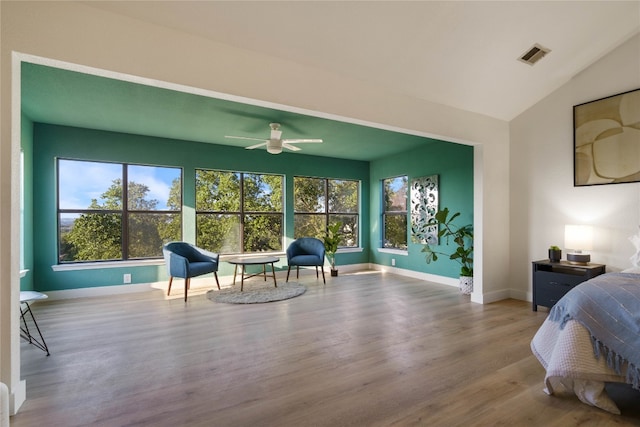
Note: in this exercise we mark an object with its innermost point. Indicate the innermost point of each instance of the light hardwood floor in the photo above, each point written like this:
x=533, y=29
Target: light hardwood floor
x=367, y=349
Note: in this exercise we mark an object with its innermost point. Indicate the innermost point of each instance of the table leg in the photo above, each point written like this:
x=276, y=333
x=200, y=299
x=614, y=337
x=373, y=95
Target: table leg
x=273, y=270
x=264, y=271
x=235, y=270
x=242, y=279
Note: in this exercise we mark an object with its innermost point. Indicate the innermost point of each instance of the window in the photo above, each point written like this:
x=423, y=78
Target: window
x=239, y=212
x=319, y=202
x=100, y=219
x=395, y=213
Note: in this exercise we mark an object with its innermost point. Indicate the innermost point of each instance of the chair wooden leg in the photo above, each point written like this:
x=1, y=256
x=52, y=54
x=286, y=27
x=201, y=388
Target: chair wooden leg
x=170, y=281
x=297, y=272
x=288, y=271
x=217, y=282
x=186, y=287
x=317, y=272
x=323, y=280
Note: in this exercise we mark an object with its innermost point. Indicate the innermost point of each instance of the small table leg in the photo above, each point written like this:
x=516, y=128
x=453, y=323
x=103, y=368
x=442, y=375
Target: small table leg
x=273, y=271
x=235, y=270
x=242, y=279
x=26, y=334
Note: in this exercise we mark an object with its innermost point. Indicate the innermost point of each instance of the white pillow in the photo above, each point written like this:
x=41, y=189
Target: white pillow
x=635, y=270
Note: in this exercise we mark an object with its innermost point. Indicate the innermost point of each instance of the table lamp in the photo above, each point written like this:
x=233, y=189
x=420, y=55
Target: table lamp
x=578, y=238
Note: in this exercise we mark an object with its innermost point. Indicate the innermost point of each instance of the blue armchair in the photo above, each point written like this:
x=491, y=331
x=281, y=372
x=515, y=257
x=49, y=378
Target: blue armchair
x=185, y=260
x=306, y=251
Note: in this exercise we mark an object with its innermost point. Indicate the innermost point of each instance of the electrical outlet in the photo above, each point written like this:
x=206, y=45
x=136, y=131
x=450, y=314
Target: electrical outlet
x=127, y=278
x=393, y=262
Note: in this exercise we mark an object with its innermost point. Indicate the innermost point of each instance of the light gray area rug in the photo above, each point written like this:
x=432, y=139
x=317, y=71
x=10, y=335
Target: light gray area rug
x=255, y=293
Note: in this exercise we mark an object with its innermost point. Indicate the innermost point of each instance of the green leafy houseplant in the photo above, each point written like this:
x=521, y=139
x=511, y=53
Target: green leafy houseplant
x=462, y=236
x=331, y=242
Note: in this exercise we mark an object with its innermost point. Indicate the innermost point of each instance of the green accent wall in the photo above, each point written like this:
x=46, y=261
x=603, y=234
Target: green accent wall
x=51, y=142
x=43, y=143
x=453, y=163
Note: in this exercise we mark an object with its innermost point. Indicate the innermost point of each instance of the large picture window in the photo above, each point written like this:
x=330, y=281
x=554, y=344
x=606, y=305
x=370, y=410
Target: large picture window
x=239, y=212
x=319, y=202
x=394, y=212
x=100, y=219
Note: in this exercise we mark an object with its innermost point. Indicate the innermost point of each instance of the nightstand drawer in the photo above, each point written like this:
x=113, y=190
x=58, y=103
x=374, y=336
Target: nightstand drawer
x=558, y=279
x=548, y=293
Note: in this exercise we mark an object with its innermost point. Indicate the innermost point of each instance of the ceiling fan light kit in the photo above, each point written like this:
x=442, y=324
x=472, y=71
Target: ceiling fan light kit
x=275, y=144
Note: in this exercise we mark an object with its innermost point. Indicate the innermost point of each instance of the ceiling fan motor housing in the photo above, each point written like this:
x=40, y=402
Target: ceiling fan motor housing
x=274, y=146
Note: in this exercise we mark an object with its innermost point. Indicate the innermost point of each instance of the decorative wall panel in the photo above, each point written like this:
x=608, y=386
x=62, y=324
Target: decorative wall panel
x=424, y=205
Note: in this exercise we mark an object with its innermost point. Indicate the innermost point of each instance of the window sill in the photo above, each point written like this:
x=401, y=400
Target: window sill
x=349, y=250
x=393, y=251
x=107, y=264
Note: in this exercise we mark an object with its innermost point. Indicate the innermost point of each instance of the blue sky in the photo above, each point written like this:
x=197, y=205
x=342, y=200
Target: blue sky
x=79, y=181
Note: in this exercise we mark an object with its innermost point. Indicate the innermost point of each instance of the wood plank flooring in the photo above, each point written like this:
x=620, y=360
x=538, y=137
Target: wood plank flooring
x=368, y=349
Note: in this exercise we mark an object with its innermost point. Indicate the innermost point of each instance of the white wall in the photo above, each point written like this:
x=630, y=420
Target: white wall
x=79, y=34
x=542, y=196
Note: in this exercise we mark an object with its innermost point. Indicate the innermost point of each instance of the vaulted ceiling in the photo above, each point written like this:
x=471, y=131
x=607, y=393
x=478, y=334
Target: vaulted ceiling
x=455, y=53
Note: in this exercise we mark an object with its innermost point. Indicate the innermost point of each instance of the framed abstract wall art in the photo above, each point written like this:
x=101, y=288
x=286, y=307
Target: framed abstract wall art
x=606, y=136
x=424, y=206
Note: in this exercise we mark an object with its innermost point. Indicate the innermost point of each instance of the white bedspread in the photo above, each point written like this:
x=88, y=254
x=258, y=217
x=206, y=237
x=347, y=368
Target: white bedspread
x=568, y=357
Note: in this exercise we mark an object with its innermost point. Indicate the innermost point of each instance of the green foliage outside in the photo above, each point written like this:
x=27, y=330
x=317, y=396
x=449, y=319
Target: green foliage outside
x=98, y=235
x=235, y=213
x=231, y=221
x=319, y=202
x=395, y=208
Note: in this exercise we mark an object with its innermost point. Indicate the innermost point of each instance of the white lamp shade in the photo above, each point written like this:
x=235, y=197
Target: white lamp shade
x=578, y=237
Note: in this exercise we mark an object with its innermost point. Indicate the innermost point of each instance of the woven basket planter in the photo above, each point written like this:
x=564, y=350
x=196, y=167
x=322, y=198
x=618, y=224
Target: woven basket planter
x=466, y=285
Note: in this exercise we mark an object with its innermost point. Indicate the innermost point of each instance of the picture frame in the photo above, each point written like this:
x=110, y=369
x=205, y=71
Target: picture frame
x=606, y=140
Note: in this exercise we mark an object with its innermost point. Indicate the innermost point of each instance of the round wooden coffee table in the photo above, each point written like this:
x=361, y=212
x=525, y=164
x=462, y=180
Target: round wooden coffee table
x=243, y=262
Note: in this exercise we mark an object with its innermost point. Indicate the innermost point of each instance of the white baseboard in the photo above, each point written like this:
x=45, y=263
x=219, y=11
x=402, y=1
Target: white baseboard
x=449, y=281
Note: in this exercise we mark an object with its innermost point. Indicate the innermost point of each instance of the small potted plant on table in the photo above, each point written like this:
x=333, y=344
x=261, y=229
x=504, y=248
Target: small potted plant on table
x=554, y=253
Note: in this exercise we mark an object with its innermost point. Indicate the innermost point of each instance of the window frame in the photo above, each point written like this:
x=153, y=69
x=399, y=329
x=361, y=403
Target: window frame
x=124, y=211
x=327, y=214
x=392, y=213
x=243, y=213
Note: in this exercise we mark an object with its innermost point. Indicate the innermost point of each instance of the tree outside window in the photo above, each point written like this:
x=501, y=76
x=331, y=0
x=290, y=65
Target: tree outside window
x=100, y=219
x=239, y=212
x=395, y=213
x=319, y=202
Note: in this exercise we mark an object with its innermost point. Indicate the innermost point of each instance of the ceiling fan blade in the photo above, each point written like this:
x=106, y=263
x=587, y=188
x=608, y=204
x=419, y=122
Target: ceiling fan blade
x=247, y=138
x=256, y=146
x=290, y=147
x=302, y=141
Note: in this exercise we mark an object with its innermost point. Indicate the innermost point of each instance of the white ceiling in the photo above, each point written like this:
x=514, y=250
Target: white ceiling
x=457, y=53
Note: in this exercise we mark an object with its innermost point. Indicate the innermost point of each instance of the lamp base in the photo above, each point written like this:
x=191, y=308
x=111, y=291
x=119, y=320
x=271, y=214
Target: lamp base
x=582, y=259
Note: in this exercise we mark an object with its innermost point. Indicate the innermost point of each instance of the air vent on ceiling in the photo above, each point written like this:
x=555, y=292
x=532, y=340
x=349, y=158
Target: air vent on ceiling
x=534, y=54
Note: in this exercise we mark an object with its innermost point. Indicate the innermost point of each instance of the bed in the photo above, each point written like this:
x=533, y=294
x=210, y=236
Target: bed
x=591, y=337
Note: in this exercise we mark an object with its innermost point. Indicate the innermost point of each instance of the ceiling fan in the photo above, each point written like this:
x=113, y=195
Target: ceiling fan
x=275, y=144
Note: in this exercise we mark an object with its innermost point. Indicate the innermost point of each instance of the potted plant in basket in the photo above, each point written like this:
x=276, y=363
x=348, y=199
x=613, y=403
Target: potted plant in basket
x=462, y=236
x=331, y=241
